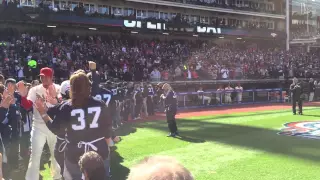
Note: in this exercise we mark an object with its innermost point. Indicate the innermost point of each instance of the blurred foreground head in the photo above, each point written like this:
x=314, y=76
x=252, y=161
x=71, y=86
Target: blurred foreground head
x=92, y=166
x=159, y=168
x=166, y=87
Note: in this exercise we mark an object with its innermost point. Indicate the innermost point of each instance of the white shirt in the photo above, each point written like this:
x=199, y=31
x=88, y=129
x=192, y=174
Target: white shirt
x=198, y=66
x=32, y=96
x=20, y=73
x=189, y=74
x=69, y=56
x=225, y=73
x=200, y=92
x=178, y=71
x=155, y=74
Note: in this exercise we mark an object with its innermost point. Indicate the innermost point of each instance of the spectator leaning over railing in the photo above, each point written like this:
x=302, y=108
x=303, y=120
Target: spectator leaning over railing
x=227, y=97
x=239, y=90
x=203, y=97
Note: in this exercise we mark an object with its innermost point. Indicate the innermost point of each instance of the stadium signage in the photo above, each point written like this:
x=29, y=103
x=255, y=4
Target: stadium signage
x=163, y=27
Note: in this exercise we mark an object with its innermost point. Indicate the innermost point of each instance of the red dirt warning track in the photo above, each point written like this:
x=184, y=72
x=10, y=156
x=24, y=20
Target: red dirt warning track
x=227, y=110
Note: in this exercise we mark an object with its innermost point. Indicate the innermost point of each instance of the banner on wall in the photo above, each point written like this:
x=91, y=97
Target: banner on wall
x=166, y=27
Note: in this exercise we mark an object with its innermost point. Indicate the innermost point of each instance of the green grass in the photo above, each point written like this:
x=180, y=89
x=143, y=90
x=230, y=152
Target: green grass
x=243, y=146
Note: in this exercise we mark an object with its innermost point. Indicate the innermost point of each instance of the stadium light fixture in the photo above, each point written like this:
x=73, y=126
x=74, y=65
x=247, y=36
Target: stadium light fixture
x=239, y=38
x=221, y=37
x=51, y=26
x=165, y=33
x=134, y=32
x=195, y=35
x=94, y=29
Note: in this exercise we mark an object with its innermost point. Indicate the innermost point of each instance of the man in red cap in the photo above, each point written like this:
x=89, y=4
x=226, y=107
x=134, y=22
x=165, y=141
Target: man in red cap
x=40, y=133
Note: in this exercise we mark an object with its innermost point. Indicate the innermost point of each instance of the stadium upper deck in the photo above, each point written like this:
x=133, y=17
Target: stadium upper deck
x=223, y=17
x=217, y=18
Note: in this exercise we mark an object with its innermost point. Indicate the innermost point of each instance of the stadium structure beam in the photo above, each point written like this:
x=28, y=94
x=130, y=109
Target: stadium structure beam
x=288, y=24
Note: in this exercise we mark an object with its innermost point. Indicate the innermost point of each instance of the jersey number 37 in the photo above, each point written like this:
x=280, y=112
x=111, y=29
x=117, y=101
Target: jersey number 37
x=96, y=111
x=105, y=97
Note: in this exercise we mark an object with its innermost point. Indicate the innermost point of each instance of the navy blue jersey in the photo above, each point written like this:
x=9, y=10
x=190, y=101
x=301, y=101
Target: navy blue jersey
x=150, y=91
x=138, y=95
x=170, y=101
x=52, y=114
x=87, y=128
x=104, y=95
x=119, y=94
x=129, y=92
x=145, y=91
x=125, y=92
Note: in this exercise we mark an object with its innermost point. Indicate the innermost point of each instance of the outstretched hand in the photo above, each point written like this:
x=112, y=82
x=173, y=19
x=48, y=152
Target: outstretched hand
x=41, y=106
x=51, y=95
x=7, y=100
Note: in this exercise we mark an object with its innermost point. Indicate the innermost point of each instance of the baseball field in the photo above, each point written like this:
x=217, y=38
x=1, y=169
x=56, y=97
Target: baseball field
x=240, y=143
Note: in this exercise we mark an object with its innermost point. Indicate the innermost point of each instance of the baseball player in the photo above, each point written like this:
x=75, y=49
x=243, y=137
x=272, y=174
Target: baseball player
x=40, y=134
x=239, y=90
x=227, y=95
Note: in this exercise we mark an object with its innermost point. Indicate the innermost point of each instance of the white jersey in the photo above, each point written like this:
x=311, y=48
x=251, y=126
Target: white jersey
x=32, y=96
x=239, y=88
x=228, y=89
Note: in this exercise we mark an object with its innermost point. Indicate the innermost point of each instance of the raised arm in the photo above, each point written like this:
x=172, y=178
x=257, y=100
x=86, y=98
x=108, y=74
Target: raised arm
x=55, y=117
x=26, y=102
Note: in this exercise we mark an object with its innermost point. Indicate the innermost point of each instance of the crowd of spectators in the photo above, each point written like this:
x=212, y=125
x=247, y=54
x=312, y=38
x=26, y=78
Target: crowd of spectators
x=130, y=58
x=300, y=31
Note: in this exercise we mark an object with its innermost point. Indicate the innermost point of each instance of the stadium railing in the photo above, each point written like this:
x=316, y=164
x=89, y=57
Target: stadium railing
x=232, y=81
x=188, y=100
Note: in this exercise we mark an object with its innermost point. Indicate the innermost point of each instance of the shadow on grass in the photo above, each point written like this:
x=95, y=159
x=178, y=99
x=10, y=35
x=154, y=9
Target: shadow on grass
x=125, y=130
x=118, y=171
x=190, y=139
x=244, y=136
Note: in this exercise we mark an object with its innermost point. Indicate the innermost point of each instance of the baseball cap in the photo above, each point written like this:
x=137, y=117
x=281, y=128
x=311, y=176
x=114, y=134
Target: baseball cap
x=48, y=72
x=10, y=80
x=65, y=87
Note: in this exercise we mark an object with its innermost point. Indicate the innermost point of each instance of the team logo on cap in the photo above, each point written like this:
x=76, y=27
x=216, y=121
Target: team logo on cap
x=306, y=129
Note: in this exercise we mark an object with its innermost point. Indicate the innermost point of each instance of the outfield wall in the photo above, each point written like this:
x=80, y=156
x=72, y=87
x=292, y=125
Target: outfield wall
x=220, y=98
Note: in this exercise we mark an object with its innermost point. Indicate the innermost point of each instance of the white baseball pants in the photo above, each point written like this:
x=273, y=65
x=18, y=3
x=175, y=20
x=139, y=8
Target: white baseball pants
x=40, y=134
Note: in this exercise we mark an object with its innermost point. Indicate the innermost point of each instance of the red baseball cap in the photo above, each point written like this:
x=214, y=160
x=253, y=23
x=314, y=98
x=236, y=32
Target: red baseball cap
x=48, y=72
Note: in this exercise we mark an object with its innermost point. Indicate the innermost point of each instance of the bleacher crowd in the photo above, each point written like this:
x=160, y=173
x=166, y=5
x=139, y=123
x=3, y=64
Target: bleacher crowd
x=131, y=59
